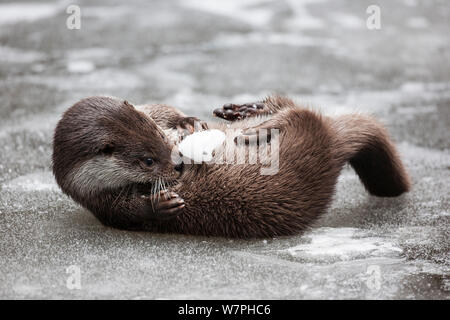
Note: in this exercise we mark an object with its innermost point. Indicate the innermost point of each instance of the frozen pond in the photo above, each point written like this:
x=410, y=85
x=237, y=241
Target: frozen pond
x=198, y=55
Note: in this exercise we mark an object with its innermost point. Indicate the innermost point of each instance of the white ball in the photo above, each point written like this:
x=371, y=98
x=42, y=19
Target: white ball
x=200, y=145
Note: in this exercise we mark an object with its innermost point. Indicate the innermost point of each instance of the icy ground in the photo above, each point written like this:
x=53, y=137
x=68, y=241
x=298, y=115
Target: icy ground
x=198, y=55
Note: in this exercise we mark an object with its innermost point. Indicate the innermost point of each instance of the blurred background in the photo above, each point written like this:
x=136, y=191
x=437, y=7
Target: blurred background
x=198, y=55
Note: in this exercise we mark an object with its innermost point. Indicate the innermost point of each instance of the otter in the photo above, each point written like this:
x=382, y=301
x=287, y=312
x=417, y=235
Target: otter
x=116, y=160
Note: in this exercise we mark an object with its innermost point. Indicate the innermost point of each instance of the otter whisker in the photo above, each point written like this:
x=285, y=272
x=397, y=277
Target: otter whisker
x=116, y=202
x=165, y=188
x=117, y=198
x=152, y=196
x=156, y=193
x=159, y=189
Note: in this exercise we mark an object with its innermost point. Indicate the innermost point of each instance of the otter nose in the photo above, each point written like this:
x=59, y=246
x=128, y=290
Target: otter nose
x=179, y=167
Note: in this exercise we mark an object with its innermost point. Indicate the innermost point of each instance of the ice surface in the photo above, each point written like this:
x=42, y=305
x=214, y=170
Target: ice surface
x=247, y=11
x=19, y=56
x=39, y=181
x=198, y=55
x=80, y=66
x=417, y=23
x=341, y=244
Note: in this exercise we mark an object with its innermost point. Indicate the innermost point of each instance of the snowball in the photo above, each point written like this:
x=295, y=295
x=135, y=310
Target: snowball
x=200, y=145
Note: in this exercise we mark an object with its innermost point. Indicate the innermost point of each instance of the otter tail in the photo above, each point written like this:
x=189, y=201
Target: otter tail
x=363, y=142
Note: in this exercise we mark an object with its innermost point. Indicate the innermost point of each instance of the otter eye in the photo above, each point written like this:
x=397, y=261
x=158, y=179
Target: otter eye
x=149, y=161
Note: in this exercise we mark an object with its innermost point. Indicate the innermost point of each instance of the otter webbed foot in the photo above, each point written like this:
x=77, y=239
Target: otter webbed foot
x=233, y=112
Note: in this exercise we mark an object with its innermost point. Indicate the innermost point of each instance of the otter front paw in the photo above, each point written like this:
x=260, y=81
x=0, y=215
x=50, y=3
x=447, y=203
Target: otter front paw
x=167, y=205
x=232, y=112
x=190, y=124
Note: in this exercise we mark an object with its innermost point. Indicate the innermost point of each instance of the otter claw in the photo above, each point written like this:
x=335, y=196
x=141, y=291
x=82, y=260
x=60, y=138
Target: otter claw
x=191, y=124
x=167, y=205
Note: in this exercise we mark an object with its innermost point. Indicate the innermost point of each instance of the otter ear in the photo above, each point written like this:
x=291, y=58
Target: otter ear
x=106, y=148
x=128, y=105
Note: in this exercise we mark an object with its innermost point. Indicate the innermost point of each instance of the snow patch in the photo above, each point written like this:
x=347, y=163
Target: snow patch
x=246, y=11
x=273, y=38
x=104, y=80
x=342, y=244
x=80, y=66
x=301, y=18
x=89, y=53
x=26, y=12
x=348, y=21
x=39, y=181
x=8, y=54
x=417, y=23
x=105, y=12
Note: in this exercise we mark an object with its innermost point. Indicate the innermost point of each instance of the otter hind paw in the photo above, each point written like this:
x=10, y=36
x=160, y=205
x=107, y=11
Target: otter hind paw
x=232, y=112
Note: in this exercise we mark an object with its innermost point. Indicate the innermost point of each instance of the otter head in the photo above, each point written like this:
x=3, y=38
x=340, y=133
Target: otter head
x=103, y=144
